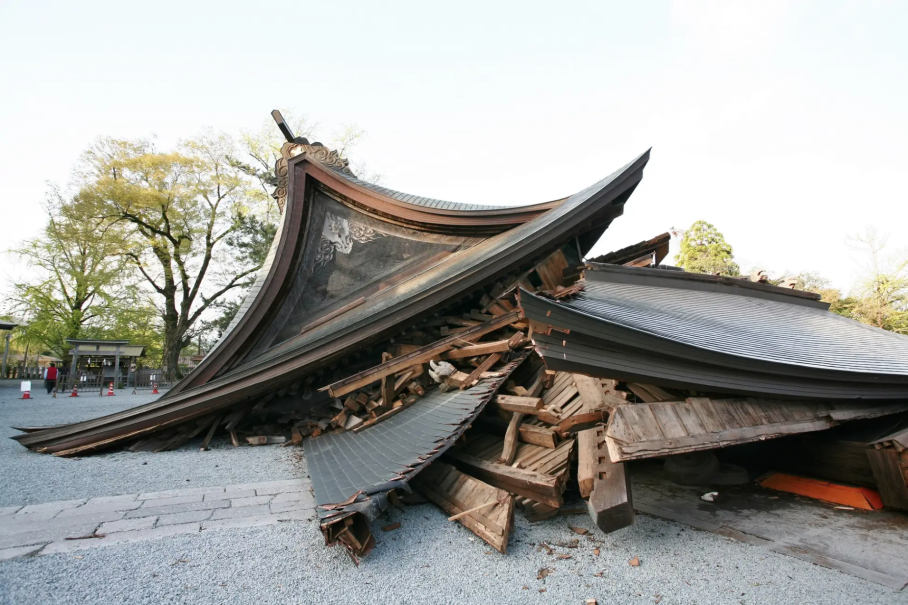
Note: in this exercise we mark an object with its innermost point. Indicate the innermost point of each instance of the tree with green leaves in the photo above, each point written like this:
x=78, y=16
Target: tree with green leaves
x=179, y=211
x=880, y=298
x=704, y=250
x=78, y=269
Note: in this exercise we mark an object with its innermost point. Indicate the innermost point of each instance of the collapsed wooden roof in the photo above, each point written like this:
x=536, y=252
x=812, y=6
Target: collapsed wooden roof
x=353, y=264
x=716, y=334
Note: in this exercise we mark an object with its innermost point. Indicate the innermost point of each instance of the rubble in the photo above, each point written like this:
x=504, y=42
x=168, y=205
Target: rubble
x=470, y=356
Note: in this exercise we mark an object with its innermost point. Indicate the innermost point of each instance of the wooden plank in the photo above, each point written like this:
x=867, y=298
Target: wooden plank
x=523, y=405
x=641, y=392
x=529, y=484
x=474, y=376
x=890, y=481
x=668, y=420
x=419, y=356
x=689, y=418
x=485, y=348
x=509, y=449
x=706, y=413
x=551, y=270
x=457, y=493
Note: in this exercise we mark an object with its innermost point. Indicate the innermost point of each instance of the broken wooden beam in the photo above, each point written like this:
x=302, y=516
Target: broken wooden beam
x=522, y=405
x=419, y=356
x=460, y=496
x=477, y=350
x=510, y=439
x=475, y=375
x=543, y=488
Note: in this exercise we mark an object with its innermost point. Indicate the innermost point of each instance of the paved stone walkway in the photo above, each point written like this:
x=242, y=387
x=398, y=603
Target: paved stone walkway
x=71, y=525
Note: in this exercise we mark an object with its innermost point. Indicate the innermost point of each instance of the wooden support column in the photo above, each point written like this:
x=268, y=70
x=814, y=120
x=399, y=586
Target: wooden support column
x=610, y=502
x=590, y=390
x=116, y=379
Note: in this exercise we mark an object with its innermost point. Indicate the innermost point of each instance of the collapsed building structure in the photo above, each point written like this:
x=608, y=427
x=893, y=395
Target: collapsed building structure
x=474, y=353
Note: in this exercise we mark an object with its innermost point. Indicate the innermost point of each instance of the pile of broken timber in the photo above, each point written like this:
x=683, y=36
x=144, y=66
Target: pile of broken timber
x=531, y=445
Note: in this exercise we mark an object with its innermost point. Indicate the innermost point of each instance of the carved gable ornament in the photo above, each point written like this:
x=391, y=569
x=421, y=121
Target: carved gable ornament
x=316, y=152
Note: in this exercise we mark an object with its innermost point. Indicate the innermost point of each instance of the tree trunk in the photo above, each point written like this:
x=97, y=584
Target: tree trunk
x=170, y=358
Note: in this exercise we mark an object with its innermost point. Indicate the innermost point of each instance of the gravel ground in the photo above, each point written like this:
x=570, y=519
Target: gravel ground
x=430, y=560
x=30, y=478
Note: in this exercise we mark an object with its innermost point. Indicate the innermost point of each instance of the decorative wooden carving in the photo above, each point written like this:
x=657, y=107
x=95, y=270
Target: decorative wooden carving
x=317, y=152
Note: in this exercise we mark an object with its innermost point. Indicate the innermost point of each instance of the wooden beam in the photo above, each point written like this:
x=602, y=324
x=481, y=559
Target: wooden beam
x=510, y=439
x=538, y=435
x=484, y=348
x=593, y=396
x=207, y=439
x=387, y=387
x=610, y=502
x=522, y=405
x=419, y=356
x=474, y=376
x=543, y=488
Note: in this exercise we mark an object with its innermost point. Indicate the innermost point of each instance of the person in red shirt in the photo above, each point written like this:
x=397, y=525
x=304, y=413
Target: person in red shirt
x=50, y=378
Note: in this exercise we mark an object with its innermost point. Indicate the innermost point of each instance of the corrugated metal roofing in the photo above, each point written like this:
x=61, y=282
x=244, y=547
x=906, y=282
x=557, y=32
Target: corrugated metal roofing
x=735, y=324
x=342, y=464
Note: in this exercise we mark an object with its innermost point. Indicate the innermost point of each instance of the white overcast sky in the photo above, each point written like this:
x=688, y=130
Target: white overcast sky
x=783, y=123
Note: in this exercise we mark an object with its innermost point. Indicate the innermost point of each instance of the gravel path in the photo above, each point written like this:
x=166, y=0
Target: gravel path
x=430, y=560
x=30, y=478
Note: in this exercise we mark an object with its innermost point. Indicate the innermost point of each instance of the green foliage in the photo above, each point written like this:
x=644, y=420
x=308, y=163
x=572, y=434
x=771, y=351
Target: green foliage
x=704, y=250
x=79, y=278
x=179, y=211
x=881, y=297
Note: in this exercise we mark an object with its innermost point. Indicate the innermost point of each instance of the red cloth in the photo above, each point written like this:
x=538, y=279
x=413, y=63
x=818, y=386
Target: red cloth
x=51, y=373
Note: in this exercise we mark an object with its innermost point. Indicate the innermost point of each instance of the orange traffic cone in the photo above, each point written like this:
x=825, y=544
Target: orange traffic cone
x=155, y=390
x=110, y=390
x=26, y=393
x=75, y=392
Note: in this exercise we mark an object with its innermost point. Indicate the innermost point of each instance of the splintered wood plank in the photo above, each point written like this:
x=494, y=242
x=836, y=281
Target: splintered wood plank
x=649, y=430
x=551, y=270
x=457, y=493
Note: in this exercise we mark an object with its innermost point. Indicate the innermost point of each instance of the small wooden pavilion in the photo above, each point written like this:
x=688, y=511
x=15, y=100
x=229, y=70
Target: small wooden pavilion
x=103, y=361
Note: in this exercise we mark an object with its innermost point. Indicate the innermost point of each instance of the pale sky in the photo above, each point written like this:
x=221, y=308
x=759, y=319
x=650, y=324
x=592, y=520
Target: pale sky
x=783, y=123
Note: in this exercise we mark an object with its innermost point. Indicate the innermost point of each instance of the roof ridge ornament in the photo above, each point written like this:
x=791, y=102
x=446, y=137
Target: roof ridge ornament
x=297, y=146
